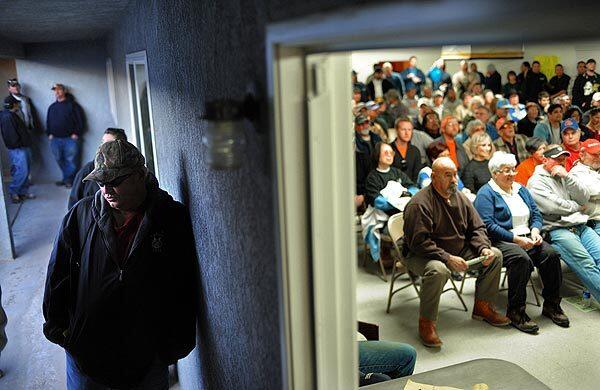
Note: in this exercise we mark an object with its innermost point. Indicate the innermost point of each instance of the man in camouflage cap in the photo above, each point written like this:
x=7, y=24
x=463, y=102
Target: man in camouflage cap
x=121, y=289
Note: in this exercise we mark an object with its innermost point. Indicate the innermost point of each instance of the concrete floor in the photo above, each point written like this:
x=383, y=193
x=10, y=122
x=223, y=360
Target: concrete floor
x=561, y=358
x=29, y=360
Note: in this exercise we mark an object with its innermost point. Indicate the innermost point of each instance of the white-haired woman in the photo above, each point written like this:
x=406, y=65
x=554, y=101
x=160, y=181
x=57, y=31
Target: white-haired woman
x=476, y=173
x=513, y=222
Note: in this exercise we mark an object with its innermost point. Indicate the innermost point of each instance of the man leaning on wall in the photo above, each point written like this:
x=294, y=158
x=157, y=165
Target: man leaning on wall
x=64, y=125
x=121, y=289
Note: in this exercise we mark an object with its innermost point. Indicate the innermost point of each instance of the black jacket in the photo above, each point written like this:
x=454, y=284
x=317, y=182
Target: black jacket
x=386, y=85
x=117, y=320
x=80, y=188
x=412, y=163
x=534, y=84
x=14, y=131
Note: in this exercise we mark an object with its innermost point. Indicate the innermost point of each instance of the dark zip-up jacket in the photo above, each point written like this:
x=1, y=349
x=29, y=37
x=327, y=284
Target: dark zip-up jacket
x=14, y=131
x=116, y=320
x=81, y=188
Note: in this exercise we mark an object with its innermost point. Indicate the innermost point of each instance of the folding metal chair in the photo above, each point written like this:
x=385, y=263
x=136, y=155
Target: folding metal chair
x=396, y=230
x=530, y=284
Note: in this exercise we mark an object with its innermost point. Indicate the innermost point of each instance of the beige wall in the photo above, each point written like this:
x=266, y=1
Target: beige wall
x=568, y=54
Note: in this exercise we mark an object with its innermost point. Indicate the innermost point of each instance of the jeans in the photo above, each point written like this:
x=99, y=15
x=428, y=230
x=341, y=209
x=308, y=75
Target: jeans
x=66, y=153
x=519, y=263
x=156, y=379
x=19, y=170
x=386, y=357
x=579, y=247
x=3, y=320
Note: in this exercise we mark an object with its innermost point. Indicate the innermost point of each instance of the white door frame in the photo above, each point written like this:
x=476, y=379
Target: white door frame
x=139, y=58
x=410, y=24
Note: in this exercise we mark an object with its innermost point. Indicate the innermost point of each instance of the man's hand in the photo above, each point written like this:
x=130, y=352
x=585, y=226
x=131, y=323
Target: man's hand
x=536, y=237
x=457, y=263
x=523, y=242
x=489, y=256
x=74, y=137
x=50, y=136
x=359, y=200
x=559, y=170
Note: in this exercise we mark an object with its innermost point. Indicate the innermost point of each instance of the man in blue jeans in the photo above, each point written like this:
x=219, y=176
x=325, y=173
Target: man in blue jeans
x=379, y=361
x=64, y=124
x=579, y=245
x=18, y=142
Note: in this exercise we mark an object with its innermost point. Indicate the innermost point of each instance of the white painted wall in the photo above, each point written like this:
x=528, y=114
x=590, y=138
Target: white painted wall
x=568, y=54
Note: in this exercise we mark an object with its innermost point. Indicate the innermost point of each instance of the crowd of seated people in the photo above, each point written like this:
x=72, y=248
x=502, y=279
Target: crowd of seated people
x=508, y=173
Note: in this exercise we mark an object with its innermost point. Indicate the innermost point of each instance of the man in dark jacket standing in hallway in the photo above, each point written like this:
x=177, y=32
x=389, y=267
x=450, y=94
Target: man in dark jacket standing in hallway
x=64, y=125
x=121, y=290
x=18, y=142
x=81, y=188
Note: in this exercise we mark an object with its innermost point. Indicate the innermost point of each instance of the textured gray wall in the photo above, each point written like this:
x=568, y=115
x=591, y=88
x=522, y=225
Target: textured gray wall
x=81, y=66
x=198, y=51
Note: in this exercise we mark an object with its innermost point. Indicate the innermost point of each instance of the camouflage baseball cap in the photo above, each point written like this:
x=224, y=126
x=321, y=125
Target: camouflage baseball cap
x=115, y=159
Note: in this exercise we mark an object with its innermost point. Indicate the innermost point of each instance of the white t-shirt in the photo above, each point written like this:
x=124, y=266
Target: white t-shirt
x=517, y=206
x=377, y=84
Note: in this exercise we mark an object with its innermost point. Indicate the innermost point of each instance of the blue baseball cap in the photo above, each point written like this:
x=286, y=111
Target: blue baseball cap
x=568, y=123
x=503, y=103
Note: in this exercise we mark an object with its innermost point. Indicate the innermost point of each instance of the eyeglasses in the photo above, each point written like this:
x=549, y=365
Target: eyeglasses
x=507, y=171
x=114, y=183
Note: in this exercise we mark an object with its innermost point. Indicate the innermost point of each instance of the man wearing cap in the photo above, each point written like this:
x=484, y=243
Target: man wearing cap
x=586, y=175
x=14, y=89
x=552, y=188
x=549, y=130
x=64, y=125
x=438, y=104
x=18, y=142
x=377, y=125
x=378, y=86
x=121, y=289
x=502, y=107
x=571, y=140
x=510, y=142
x=365, y=139
x=586, y=85
x=81, y=188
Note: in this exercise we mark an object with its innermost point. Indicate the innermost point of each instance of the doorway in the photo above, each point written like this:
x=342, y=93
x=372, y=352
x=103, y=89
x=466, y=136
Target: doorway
x=317, y=282
x=141, y=108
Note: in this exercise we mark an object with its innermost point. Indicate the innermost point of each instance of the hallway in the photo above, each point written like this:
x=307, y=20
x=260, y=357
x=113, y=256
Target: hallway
x=29, y=360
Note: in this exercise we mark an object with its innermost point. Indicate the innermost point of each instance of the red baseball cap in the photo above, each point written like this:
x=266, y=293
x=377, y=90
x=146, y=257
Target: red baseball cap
x=591, y=146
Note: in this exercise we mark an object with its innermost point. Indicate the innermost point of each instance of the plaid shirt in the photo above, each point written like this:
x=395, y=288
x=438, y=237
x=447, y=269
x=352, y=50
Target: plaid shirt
x=519, y=145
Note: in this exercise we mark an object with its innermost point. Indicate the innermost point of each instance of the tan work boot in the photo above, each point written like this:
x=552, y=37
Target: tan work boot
x=428, y=333
x=484, y=311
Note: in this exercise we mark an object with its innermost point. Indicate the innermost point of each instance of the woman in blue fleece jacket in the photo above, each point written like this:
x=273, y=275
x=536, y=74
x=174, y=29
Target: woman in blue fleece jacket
x=513, y=222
